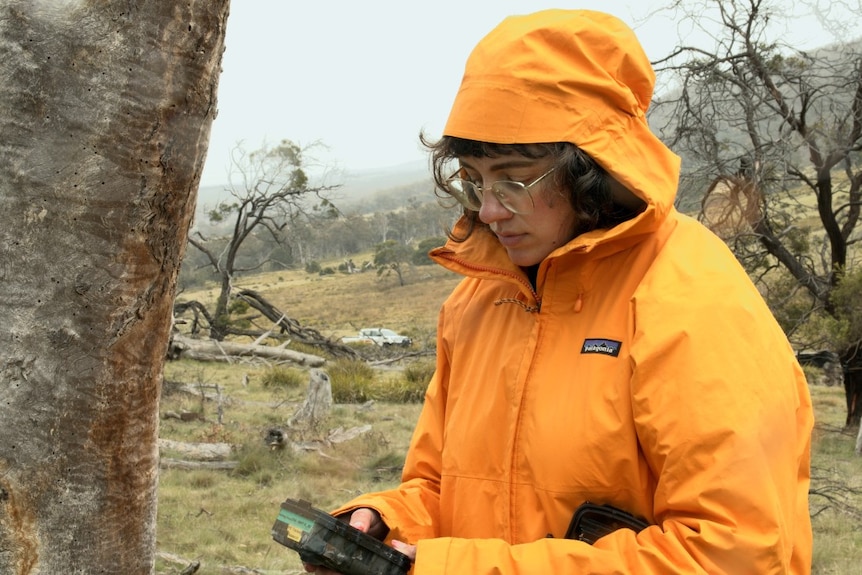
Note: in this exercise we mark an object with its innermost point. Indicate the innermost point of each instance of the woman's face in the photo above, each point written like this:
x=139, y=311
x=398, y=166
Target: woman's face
x=528, y=238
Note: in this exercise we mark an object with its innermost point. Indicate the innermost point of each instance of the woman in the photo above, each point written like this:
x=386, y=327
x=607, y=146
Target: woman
x=601, y=348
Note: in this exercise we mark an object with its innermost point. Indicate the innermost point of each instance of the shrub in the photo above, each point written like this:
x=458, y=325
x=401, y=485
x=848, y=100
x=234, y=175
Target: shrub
x=238, y=306
x=354, y=381
x=420, y=372
x=401, y=390
x=279, y=376
x=417, y=376
x=312, y=267
x=351, y=380
x=259, y=463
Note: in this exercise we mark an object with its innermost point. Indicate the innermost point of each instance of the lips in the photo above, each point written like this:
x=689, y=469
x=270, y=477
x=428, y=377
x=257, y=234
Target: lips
x=509, y=240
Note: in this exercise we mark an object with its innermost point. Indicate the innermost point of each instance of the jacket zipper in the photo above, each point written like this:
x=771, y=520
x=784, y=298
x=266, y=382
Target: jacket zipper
x=497, y=271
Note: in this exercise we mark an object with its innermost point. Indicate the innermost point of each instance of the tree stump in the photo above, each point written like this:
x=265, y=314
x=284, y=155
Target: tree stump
x=318, y=402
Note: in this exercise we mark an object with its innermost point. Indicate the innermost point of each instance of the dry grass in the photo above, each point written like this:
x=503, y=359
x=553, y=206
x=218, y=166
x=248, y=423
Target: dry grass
x=836, y=499
x=224, y=518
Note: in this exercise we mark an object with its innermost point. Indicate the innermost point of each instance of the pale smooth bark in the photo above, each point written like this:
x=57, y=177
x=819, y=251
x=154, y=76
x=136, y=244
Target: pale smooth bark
x=105, y=113
x=212, y=350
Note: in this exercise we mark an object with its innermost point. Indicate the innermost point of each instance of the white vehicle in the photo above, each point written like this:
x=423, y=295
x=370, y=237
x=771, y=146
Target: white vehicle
x=378, y=336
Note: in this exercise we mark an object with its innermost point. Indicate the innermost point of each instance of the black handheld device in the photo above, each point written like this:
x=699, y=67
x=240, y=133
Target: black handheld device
x=321, y=539
x=592, y=522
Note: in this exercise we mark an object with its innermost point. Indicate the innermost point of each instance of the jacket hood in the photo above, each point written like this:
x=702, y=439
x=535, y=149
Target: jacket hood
x=570, y=76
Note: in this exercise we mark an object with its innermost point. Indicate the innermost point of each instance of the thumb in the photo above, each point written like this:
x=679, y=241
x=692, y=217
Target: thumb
x=361, y=519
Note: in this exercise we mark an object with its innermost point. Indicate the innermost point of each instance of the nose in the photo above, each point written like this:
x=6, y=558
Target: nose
x=492, y=210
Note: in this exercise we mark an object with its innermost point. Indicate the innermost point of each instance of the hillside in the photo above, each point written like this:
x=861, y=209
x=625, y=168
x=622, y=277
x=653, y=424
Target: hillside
x=356, y=189
x=340, y=304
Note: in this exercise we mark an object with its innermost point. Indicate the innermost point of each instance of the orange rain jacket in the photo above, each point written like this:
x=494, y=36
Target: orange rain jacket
x=643, y=371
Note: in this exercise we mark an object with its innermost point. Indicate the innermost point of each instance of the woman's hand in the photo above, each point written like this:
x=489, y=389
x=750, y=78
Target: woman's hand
x=409, y=550
x=368, y=521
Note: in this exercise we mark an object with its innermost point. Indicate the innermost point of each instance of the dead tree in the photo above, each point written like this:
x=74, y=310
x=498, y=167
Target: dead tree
x=317, y=403
x=285, y=328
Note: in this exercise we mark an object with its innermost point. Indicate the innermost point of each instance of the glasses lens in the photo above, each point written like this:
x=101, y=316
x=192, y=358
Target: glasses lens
x=465, y=192
x=514, y=196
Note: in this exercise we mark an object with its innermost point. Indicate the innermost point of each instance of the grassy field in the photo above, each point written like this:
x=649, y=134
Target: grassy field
x=222, y=519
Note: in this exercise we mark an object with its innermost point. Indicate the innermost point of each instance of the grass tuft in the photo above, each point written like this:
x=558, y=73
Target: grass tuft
x=285, y=377
x=352, y=381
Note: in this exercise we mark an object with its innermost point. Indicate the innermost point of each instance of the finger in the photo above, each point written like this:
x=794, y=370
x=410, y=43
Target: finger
x=405, y=548
x=362, y=519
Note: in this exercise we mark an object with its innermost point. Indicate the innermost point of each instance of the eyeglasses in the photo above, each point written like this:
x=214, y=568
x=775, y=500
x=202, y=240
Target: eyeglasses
x=514, y=196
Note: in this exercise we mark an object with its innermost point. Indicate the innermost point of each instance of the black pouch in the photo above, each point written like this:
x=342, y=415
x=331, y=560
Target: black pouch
x=592, y=522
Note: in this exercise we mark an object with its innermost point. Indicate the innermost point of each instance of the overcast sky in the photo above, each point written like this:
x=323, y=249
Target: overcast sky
x=364, y=77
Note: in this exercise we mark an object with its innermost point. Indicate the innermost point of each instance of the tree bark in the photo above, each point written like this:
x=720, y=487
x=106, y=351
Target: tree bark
x=851, y=362
x=105, y=112
x=318, y=401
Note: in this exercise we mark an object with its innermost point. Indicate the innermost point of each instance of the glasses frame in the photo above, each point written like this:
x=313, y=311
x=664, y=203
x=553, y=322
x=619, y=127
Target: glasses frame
x=501, y=196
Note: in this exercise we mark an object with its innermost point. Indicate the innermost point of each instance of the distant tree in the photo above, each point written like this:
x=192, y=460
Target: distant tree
x=772, y=127
x=268, y=190
x=105, y=114
x=347, y=236
x=392, y=257
x=420, y=255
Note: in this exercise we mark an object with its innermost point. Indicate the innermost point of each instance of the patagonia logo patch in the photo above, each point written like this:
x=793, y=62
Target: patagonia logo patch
x=603, y=346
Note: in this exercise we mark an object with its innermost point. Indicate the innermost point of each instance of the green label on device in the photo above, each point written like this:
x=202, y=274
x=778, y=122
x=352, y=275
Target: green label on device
x=295, y=520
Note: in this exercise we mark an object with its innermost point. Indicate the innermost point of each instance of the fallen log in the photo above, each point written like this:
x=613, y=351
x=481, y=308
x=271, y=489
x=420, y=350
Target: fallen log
x=197, y=451
x=292, y=328
x=170, y=463
x=211, y=350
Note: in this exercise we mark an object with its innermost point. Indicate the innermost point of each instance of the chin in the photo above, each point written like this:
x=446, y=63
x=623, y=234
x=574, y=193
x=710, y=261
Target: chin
x=524, y=260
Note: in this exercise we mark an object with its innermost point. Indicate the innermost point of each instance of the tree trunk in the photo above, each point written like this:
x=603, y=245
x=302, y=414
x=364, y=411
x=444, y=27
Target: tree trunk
x=318, y=402
x=105, y=112
x=221, y=317
x=851, y=362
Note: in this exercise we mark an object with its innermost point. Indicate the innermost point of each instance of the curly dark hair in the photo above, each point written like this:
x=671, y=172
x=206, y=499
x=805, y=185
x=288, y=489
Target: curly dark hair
x=588, y=183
